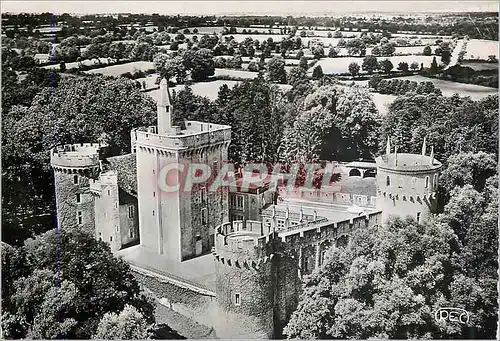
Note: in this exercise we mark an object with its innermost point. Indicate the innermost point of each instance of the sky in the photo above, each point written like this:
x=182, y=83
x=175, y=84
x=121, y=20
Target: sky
x=295, y=8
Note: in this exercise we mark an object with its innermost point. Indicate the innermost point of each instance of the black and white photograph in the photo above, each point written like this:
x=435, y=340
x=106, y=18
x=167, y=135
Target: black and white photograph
x=249, y=170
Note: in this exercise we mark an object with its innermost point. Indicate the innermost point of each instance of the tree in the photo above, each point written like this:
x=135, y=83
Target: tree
x=427, y=50
x=200, y=63
x=376, y=51
x=385, y=65
x=374, y=81
x=375, y=286
x=370, y=64
x=317, y=72
x=434, y=66
x=129, y=324
x=387, y=49
x=303, y=63
x=174, y=67
x=253, y=66
x=345, y=121
x=414, y=66
x=403, y=66
x=451, y=124
x=276, y=70
x=354, y=69
x=296, y=75
x=472, y=168
x=446, y=56
x=333, y=52
x=86, y=283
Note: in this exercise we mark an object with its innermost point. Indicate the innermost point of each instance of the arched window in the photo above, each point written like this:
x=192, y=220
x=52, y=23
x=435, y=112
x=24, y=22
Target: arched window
x=401, y=183
x=426, y=182
x=354, y=172
x=75, y=179
x=388, y=180
x=435, y=181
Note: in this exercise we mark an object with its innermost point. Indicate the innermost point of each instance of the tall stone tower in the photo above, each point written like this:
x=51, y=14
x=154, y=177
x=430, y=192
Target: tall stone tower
x=75, y=165
x=179, y=224
x=407, y=183
x=257, y=284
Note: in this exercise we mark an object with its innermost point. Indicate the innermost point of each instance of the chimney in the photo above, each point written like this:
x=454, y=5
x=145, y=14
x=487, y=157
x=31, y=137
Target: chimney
x=388, y=146
x=164, y=109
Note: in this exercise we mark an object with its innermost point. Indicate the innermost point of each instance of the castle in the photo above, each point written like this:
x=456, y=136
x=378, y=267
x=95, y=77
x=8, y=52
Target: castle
x=243, y=252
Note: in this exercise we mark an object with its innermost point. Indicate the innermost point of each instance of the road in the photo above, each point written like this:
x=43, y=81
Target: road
x=455, y=53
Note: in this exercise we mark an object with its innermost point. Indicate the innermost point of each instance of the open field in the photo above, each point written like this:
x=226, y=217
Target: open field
x=448, y=88
x=206, y=89
x=236, y=73
x=481, y=49
x=117, y=70
x=87, y=62
x=340, y=65
x=480, y=65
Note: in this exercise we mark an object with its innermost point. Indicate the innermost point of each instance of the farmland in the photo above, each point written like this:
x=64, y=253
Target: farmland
x=481, y=49
x=340, y=65
x=117, y=70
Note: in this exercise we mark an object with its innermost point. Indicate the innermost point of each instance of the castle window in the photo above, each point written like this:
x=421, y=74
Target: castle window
x=153, y=213
x=116, y=228
x=154, y=194
x=435, y=181
x=294, y=223
x=401, y=183
x=110, y=238
x=237, y=300
x=281, y=224
x=78, y=198
x=388, y=180
x=239, y=201
x=426, y=182
x=75, y=179
x=203, y=216
x=153, y=171
x=116, y=205
x=232, y=201
x=131, y=233
x=168, y=108
x=203, y=195
x=80, y=217
x=413, y=182
x=418, y=217
x=109, y=192
x=131, y=212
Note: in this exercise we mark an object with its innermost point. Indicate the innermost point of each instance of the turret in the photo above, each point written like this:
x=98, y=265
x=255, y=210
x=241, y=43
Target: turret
x=75, y=166
x=407, y=183
x=164, y=109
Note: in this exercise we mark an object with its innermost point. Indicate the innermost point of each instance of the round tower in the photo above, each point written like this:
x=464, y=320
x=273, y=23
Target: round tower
x=75, y=167
x=244, y=268
x=407, y=183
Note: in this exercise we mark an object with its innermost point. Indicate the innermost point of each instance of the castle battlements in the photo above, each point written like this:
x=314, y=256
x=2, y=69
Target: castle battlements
x=74, y=158
x=242, y=244
x=107, y=178
x=196, y=135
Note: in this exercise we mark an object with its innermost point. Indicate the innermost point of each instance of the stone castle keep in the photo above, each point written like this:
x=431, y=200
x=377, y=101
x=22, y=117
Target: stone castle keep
x=233, y=261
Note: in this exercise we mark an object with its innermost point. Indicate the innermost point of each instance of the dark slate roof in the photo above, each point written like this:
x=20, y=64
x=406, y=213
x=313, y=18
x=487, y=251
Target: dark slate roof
x=126, y=169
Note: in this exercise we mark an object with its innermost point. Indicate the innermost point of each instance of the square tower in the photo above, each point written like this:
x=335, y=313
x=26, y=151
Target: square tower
x=179, y=223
